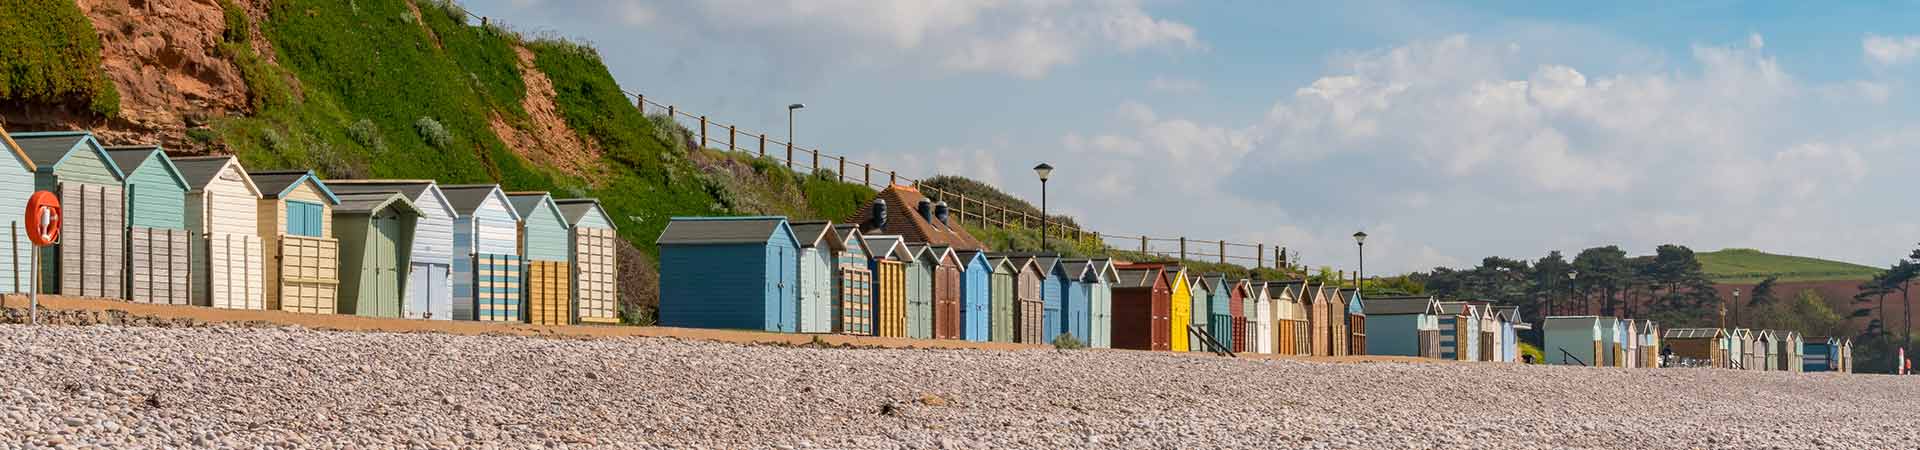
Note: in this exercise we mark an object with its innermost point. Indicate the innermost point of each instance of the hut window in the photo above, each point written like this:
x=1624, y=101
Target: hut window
x=303, y=218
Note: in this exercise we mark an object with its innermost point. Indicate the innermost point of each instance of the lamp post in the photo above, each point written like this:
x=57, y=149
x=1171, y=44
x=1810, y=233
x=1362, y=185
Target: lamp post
x=1573, y=277
x=1736, y=308
x=1360, y=241
x=1044, y=171
x=790, y=109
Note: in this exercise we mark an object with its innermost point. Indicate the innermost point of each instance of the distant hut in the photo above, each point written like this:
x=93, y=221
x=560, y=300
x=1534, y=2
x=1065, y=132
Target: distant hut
x=947, y=309
x=1570, y=340
x=228, y=257
x=1179, y=307
x=544, y=243
x=1788, y=356
x=976, y=295
x=1100, y=278
x=920, y=269
x=1262, y=317
x=376, y=231
x=157, y=236
x=1611, y=342
x=1465, y=320
x=296, y=222
x=1001, y=304
x=1403, y=326
x=429, y=271
x=16, y=184
x=852, y=282
x=1704, y=345
x=1760, y=350
x=1029, y=299
x=729, y=272
x=1650, y=344
x=1508, y=338
x=1220, y=306
x=817, y=246
x=1053, y=292
x=90, y=258
x=1079, y=314
x=1142, y=303
x=1291, y=331
x=1817, y=354
x=594, y=251
x=890, y=258
x=1240, y=305
x=1738, y=342
x=1356, y=322
x=487, y=276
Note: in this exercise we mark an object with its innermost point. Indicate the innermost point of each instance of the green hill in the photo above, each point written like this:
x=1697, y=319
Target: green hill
x=1741, y=265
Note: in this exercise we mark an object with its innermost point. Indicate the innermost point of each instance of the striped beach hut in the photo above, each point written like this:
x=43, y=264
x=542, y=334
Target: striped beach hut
x=16, y=184
x=375, y=230
x=90, y=258
x=592, y=243
x=228, y=257
x=486, y=254
x=920, y=268
x=852, y=282
x=157, y=242
x=817, y=246
x=1001, y=304
x=1570, y=340
x=729, y=272
x=1179, y=307
x=1079, y=314
x=1702, y=345
x=1817, y=354
x=976, y=294
x=1142, y=305
x=1459, y=331
x=303, y=258
x=429, y=271
x=947, y=273
x=890, y=257
x=1403, y=326
x=1099, y=281
x=544, y=245
x=1029, y=299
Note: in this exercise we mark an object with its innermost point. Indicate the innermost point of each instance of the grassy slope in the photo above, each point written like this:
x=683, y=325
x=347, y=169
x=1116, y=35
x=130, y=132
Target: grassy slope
x=52, y=58
x=1747, y=265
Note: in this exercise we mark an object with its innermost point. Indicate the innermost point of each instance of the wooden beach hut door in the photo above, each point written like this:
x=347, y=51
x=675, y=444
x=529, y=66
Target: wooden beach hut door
x=92, y=251
x=595, y=266
x=386, y=262
x=816, y=312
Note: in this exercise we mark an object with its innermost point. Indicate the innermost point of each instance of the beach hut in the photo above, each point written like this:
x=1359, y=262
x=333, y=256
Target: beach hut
x=544, y=249
x=1611, y=331
x=920, y=290
x=429, y=271
x=1142, y=307
x=1630, y=343
x=890, y=257
x=591, y=246
x=1312, y=300
x=1291, y=331
x=1759, y=350
x=296, y=225
x=1330, y=309
x=976, y=295
x=1701, y=345
x=16, y=184
x=1508, y=338
x=486, y=254
x=1738, y=339
x=1029, y=299
x=1570, y=340
x=375, y=230
x=852, y=282
x=1466, y=346
x=1845, y=355
x=1649, y=344
x=1200, y=296
x=1179, y=307
x=227, y=255
x=1817, y=354
x=1402, y=326
x=1053, y=292
x=1002, y=307
x=1099, y=281
x=817, y=246
x=1788, y=356
x=90, y=258
x=1239, y=305
x=1220, y=306
x=729, y=272
x=157, y=242
x=1078, y=310
x=1356, y=322
x=947, y=311
x=1262, y=317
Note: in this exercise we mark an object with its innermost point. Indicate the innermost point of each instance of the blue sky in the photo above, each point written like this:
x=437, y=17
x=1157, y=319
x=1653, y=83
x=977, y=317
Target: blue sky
x=1448, y=131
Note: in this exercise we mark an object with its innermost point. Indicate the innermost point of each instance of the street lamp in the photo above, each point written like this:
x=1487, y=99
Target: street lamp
x=1736, y=308
x=1044, y=171
x=1360, y=240
x=790, y=109
x=1573, y=277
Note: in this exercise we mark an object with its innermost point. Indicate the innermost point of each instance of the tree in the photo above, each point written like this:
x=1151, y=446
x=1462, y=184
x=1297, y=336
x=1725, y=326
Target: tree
x=1550, y=280
x=1763, y=293
x=1900, y=278
x=1602, y=269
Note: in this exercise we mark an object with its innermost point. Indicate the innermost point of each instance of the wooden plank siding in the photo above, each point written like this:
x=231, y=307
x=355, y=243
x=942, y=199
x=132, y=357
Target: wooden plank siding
x=227, y=256
x=544, y=239
x=547, y=292
x=594, y=254
x=1179, y=308
x=90, y=259
x=486, y=238
x=428, y=293
x=302, y=271
x=16, y=184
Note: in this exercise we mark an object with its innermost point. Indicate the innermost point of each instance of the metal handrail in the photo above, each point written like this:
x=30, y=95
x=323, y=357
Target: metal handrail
x=1209, y=343
x=1570, y=356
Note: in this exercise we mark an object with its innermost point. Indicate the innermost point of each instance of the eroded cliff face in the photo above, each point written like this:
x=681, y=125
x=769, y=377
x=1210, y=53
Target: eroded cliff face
x=165, y=58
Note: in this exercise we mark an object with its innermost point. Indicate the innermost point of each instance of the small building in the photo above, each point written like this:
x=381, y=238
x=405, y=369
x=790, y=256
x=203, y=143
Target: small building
x=976, y=295
x=1571, y=340
x=1460, y=331
x=1179, y=307
x=1356, y=322
x=592, y=243
x=817, y=246
x=1099, y=281
x=1738, y=341
x=91, y=257
x=947, y=311
x=729, y=272
x=1697, y=346
x=1760, y=350
x=1292, y=334
x=920, y=290
x=1142, y=307
x=1330, y=308
x=1508, y=338
x=1200, y=296
x=157, y=241
x=16, y=184
x=1403, y=326
x=375, y=230
x=429, y=291
x=227, y=256
x=852, y=282
x=1053, y=296
x=1029, y=299
x=1817, y=354
x=296, y=225
x=1788, y=356
x=890, y=258
x=1004, y=310
x=1843, y=354
x=487, y=276
x=1649, y=344
x=1220, y=306
x=544, y=247
x=1079, y=311
x=1239, y=305
x=1262, y=317
x=1612, y=342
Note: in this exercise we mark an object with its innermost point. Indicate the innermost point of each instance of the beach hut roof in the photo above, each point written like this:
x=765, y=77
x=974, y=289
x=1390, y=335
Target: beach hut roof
x=199, y=171
x=413, y=189
x=1388, y=306
x=277, y=183
x=368, y=202
x=575, y=209
x=887, y=245
x=813, y=232
x=721, y=230
x=131, y=157
x=1694, y=333
x=467, y=198
x=48, y=149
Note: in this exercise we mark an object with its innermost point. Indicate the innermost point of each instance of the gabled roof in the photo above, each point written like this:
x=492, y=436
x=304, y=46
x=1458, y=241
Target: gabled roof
x=1458, y=309
x=467, y=198
x=1389, y=306
x=47, y=149
x=1103, y=267
x=722, y=230
x=967, y=258
x=887, y=246
x=369, y=202
x=903, y=220
x=278, y=183
x=132, y=158
x=1290, y=289
x=525, y=202
x=1133, y=276
x=199, y=171
x=1077, y=268
x=813, y=232
x=413, y=189
x=14, y=148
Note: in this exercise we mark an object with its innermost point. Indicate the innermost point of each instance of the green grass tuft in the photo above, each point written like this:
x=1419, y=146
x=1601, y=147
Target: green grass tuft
x=53, y=58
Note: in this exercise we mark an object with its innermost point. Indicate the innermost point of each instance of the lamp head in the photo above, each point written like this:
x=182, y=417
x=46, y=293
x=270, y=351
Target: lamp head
x=1360, y=237
x=1043, y=170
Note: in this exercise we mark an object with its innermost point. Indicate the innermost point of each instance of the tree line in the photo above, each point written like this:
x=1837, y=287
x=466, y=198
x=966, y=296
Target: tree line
x=1668, y=286
x=1877, y=343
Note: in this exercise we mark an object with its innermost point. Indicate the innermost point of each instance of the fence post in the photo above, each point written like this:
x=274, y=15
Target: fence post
x=843, y=168
x=1223, y=251
x=868, y=181
x=731, y=132
x=816, y=160
x=1280, y=258
x=640, y=102
x=1143, y=244
x=703, y=132
x=673, y=114
x=789, y=156
x=1096, y=239
x=963, y=208
x=1183, y=249
x=1259, y=256
x=763, y=145
x=893, y=178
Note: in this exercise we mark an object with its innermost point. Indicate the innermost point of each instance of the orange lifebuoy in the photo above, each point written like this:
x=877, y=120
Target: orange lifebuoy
x=43, y=218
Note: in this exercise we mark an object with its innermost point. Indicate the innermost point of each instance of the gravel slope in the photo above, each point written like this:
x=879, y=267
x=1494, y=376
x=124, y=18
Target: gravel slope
x=249, y=387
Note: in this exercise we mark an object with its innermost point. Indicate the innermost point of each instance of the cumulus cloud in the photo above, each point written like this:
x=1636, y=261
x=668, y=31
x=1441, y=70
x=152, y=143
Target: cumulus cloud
x=1890, y=50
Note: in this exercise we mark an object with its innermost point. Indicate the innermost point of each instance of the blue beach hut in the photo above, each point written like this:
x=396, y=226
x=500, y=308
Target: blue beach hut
x=729, y=272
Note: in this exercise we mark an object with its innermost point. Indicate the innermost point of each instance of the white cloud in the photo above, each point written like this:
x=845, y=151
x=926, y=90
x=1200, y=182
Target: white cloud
x=1890, y=50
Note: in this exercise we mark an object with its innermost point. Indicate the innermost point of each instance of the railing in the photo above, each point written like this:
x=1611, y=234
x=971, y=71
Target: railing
x=1566, y=355
x=1209, y=343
